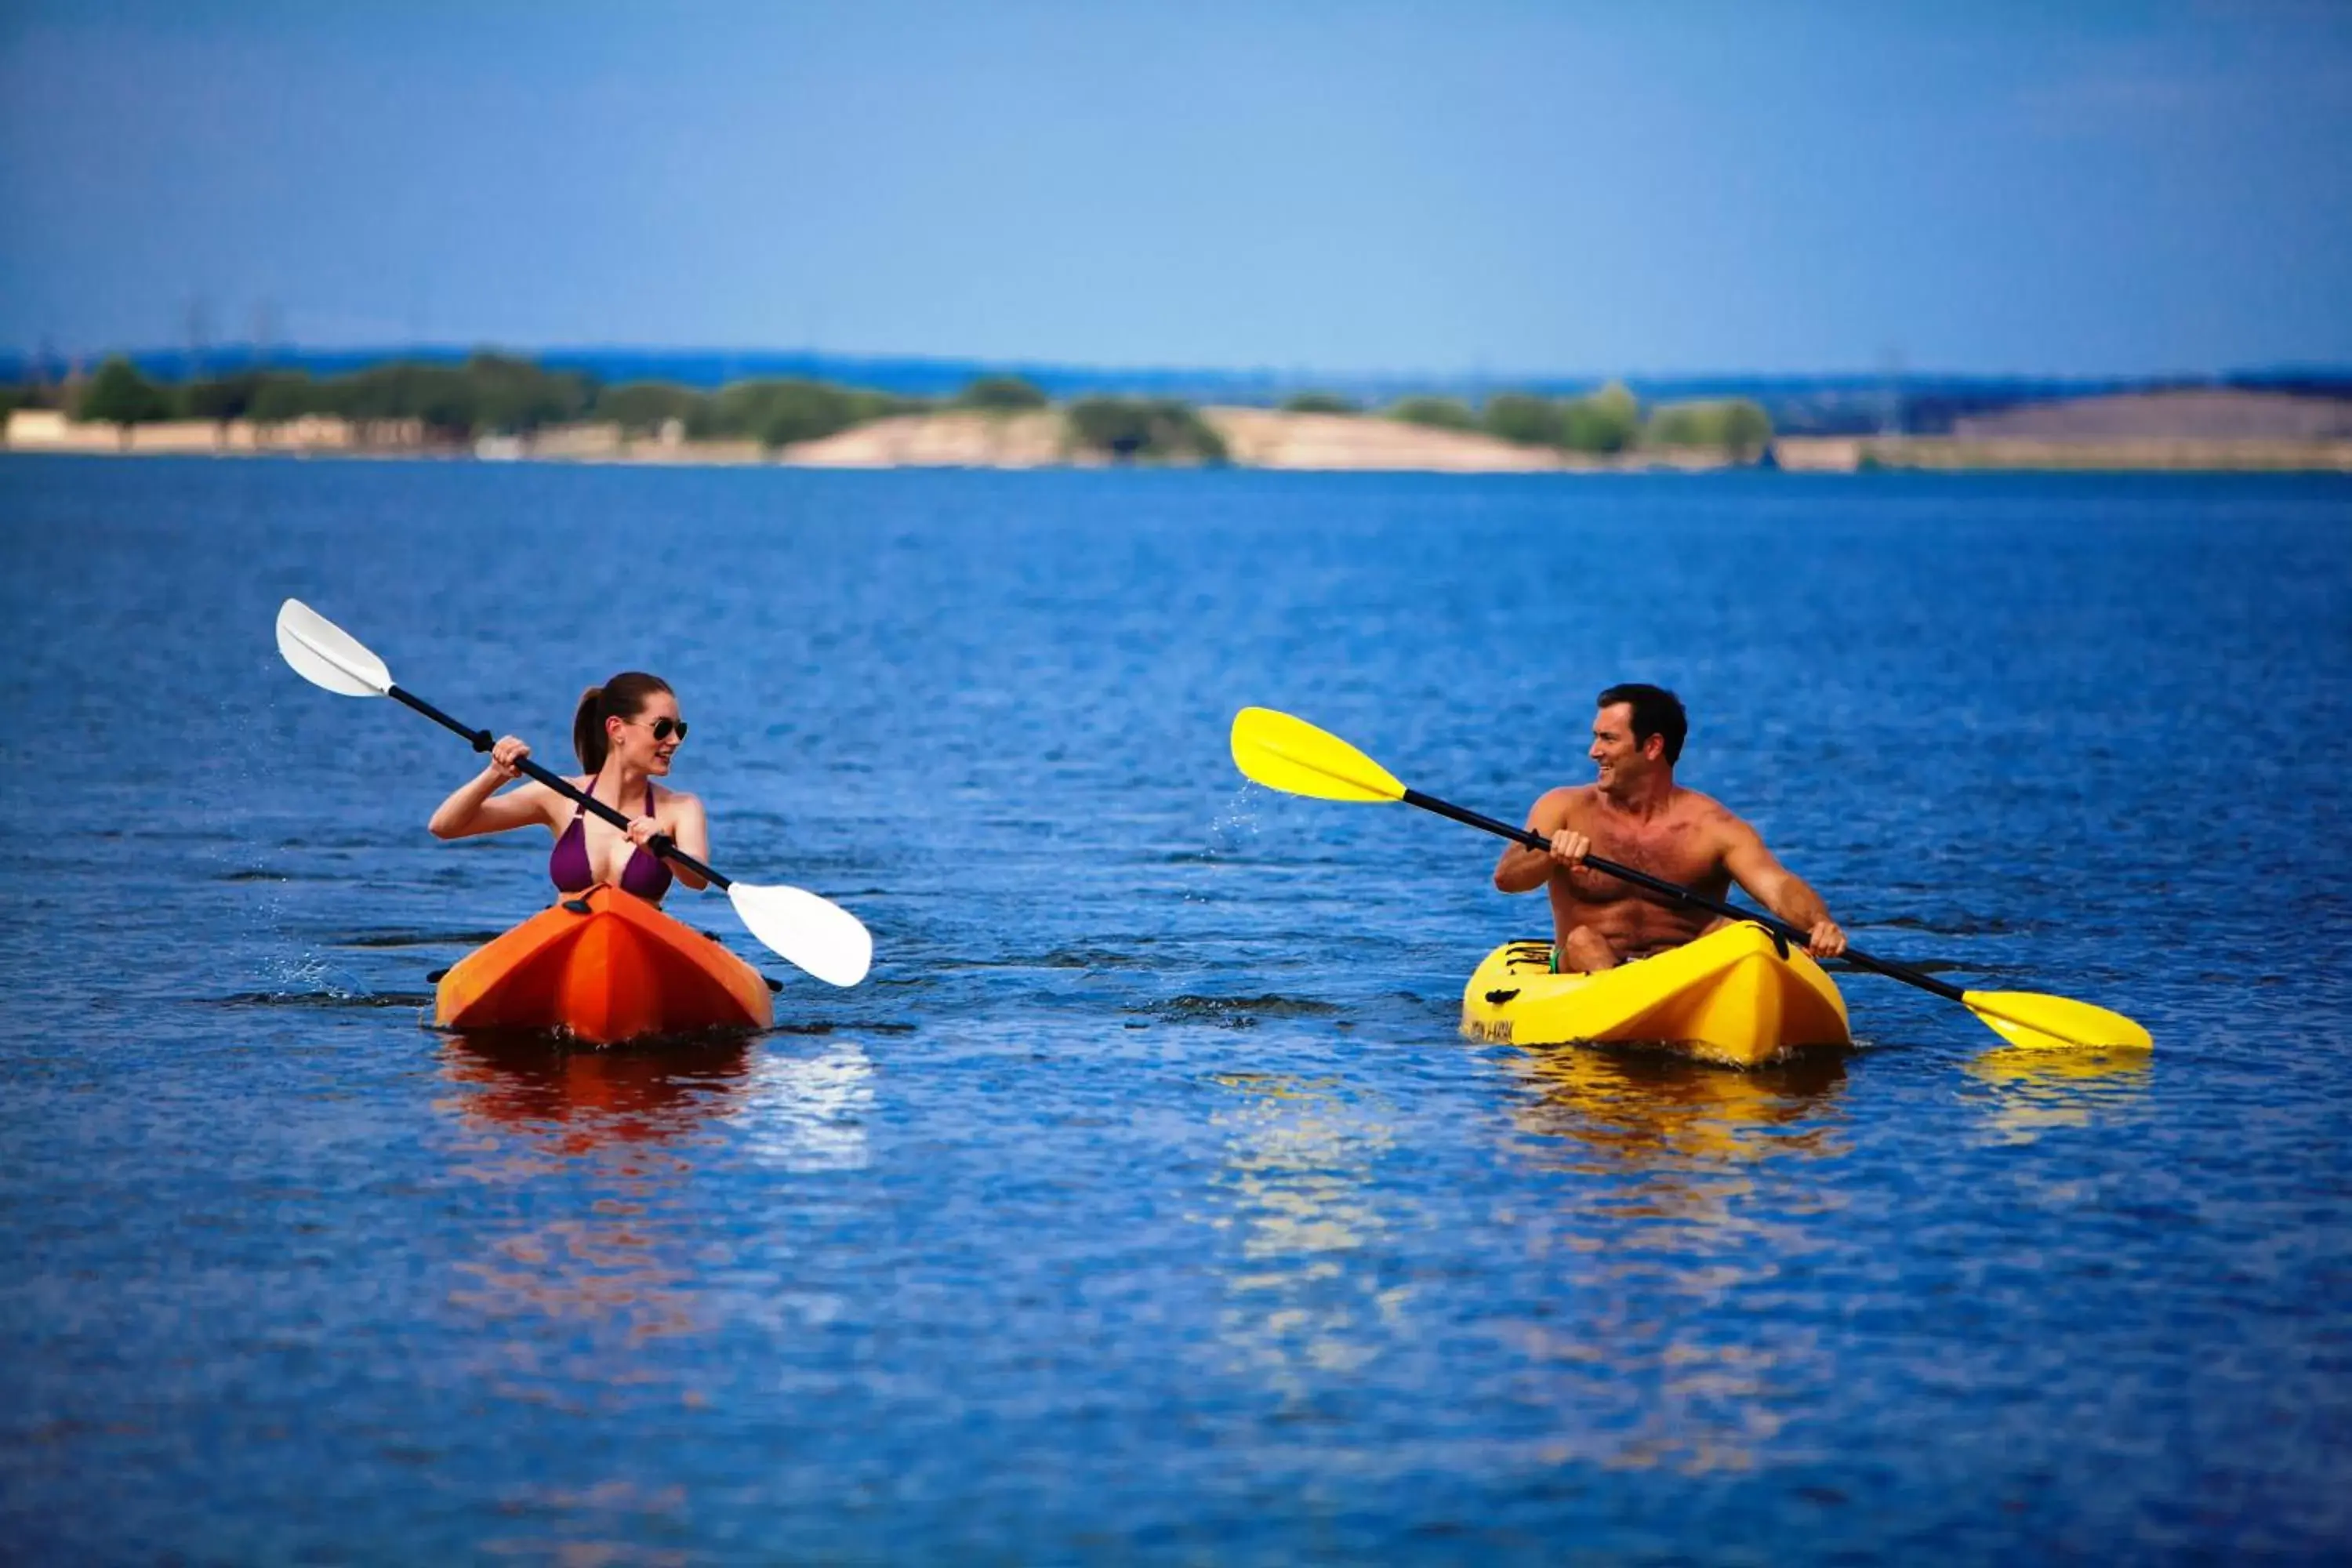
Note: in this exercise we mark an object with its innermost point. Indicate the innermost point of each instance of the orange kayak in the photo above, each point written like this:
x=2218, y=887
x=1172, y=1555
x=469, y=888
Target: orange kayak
x=602, y=967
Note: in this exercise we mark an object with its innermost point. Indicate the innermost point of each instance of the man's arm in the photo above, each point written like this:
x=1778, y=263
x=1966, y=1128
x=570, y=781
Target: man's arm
x=1781, y=891
x=1523, y=871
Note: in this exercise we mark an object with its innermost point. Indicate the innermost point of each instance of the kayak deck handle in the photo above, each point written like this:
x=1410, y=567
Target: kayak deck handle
x=1500, y=997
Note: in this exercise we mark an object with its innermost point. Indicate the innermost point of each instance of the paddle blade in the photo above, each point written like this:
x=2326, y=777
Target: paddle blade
x=814, y=933
x=1294, y=756
x=323, y=654
x=2030, y=1019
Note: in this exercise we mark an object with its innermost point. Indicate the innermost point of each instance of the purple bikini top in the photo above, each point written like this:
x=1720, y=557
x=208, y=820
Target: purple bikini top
x=644, y=876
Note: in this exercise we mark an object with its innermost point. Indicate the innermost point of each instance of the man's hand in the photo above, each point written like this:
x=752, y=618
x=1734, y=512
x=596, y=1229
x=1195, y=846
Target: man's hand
x=1568, y=848
x=1825, y=939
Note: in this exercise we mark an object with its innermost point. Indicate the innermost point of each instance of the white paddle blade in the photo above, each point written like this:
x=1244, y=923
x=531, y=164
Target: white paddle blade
x=323, y=654
x=815, y=933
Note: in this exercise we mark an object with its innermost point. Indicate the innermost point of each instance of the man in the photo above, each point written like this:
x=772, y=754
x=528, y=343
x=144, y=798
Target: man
x=1635, y=814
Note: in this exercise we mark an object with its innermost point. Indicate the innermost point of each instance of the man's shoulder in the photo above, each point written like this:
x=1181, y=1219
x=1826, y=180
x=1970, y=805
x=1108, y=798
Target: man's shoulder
x=1566, y=801
x=1703, y=811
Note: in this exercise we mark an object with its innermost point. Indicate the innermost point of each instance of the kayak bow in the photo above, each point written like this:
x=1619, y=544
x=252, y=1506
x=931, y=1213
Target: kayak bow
x=602, y=967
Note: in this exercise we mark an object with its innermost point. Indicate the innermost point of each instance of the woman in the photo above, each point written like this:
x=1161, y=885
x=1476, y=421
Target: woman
x=625, y=731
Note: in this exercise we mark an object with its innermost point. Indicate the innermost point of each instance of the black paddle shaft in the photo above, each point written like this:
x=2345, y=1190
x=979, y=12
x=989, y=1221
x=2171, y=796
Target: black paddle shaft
x=1675, y=893
x=663, y=845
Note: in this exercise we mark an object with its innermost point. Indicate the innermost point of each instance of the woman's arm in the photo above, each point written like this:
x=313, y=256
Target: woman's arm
x=475, y=806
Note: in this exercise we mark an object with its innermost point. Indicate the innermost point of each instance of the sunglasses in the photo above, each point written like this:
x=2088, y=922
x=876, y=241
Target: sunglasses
x=665, y=728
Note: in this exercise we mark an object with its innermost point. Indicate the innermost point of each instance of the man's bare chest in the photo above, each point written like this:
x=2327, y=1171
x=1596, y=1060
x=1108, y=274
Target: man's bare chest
x=1676, y=851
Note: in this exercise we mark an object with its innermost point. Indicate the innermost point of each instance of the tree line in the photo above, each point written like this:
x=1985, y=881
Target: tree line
x=501, y=394
x=1599, y=424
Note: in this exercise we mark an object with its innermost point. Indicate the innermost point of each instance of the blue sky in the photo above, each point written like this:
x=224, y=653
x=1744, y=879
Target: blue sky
x=1540, y=188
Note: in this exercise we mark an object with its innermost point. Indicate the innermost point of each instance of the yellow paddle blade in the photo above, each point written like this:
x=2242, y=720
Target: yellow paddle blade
x=1294, y=756
x=2054, y=1022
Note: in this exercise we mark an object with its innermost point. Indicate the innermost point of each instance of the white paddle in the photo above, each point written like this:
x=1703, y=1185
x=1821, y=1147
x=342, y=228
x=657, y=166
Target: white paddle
x=816, y=934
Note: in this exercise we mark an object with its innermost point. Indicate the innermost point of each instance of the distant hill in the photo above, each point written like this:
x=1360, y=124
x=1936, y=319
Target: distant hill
x=1799, y=404
x=2176, y=415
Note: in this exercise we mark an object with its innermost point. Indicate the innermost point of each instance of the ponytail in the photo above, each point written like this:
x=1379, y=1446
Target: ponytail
x=588, y=737
x=623, y=697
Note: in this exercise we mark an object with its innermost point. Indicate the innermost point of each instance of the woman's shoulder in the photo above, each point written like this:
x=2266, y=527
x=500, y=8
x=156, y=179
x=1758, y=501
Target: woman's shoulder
x=553, y=802
x=665, y=798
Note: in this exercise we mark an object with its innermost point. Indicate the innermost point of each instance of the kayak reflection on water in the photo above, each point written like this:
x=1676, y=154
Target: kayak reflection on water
x=1652, y=1109
x=577, y=1100
x=583, y=1224
x=625, y=732
x=1667, y=1210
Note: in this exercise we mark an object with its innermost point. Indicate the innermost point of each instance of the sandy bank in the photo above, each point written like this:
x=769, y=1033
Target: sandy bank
x=1268, y=438
x=1253, y=438
x=959, y=438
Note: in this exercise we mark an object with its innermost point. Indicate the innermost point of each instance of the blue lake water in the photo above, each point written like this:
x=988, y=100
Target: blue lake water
x=1145, y=1204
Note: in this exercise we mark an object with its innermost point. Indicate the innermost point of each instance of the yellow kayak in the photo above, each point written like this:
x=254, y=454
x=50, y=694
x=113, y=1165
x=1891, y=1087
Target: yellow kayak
x=1732, y=996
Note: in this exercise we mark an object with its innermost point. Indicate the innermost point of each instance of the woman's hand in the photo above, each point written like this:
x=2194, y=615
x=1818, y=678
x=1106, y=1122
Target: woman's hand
x=507, y=758
x=643, y=831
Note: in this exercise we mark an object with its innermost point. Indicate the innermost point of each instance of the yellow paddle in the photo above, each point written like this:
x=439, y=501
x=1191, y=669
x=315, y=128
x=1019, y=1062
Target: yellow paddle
x=1294, y=756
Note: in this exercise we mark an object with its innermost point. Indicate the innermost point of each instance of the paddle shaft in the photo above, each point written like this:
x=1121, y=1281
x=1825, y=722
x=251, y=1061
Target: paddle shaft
x=1675, y=893
x=663, y=845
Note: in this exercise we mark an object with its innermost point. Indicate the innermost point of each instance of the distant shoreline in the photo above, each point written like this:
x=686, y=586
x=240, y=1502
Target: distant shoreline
x=950, y=438
x=1256, y=439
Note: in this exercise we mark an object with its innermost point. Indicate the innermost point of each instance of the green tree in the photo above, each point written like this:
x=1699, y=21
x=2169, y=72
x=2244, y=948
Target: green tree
x=1003, y=394
x=1747, y=429
x=1606, y=421
x=1523, y=418
x=1132, y=430
x=442, y=397
x=780, y=413
x=801, y=411
x=1439, y=413
x=1736, y=426
x=285, y=395
x=224, y=399
x=514, y=396
x=1320, y=402
x=1677, y=425
x=643, y=408
x=118, y=394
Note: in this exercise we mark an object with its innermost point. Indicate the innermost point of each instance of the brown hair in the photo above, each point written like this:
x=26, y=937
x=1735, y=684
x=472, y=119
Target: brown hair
x=623, y=697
